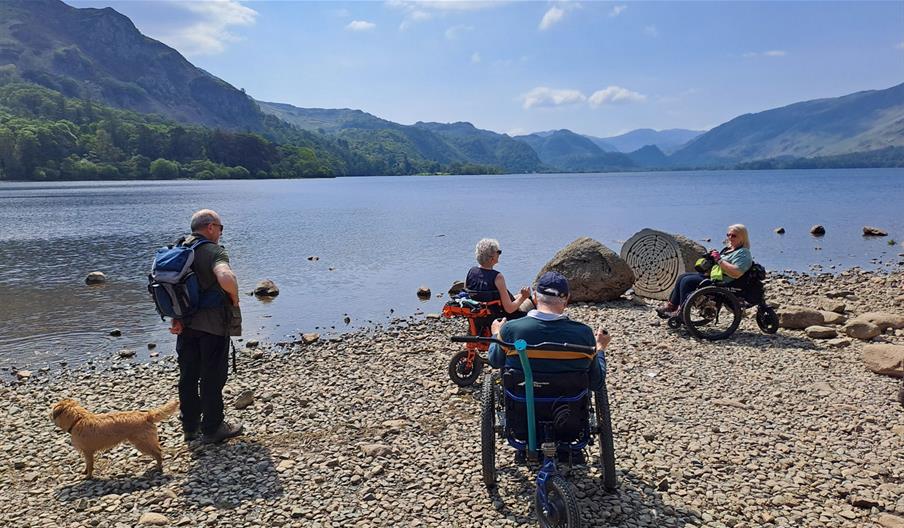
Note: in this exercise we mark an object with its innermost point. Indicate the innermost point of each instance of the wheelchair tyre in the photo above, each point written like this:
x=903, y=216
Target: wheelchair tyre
x=488, y=429
x=562, y=505
x=674, y=322
x=459, y=371
x=767, y=320
x=605, y=441
x=698, y=321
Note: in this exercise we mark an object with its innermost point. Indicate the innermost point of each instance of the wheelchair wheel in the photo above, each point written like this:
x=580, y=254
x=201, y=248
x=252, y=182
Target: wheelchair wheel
x=488, y=429
x=674, y=322
x=711, y=313
x=605, y=441
x=463, y=374
x=767, y=320
x=561, y=509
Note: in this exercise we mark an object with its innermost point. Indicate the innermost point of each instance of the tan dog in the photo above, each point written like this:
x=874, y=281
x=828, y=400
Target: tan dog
x=98, y=432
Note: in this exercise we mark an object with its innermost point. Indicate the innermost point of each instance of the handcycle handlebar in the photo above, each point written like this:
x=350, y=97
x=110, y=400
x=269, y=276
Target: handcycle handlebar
x=520, y=344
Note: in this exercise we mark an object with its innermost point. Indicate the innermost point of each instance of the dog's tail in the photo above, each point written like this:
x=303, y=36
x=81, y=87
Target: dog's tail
x=163, y=412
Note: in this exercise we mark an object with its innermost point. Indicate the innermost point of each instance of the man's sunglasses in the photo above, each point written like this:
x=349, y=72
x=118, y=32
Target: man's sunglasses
x=218, y=225
x=498, y=251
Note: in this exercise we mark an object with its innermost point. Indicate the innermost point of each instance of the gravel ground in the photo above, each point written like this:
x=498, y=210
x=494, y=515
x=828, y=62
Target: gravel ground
x=366, y=430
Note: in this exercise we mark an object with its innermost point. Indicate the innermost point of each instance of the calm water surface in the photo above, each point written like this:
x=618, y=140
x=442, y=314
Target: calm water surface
x=384, y=237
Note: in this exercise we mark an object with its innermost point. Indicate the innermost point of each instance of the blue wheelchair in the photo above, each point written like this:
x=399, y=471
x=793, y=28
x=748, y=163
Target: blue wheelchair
x=550, y=418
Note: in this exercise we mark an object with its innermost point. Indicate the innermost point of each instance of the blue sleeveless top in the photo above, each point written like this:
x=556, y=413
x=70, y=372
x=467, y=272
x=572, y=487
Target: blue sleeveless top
x=484, y=281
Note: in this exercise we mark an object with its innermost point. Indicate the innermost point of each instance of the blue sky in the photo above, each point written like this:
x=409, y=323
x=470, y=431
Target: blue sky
x=599, y=68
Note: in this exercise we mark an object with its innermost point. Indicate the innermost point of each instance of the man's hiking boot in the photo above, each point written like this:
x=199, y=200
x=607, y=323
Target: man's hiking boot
x=226, y=430
x=190, y=435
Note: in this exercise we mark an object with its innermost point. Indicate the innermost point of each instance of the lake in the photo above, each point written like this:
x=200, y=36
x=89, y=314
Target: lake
x=384, y=237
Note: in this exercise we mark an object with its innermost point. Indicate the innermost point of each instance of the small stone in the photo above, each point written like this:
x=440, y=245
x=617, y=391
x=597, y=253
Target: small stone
x=257, y=354
x=152, y=346
x=433, y=316
x=95, y=277
x=23, y=374
x=887, y=520
x=266, y=288
x=864, y=503
x=424, y=292
x=116, y=332
x=252, y=343
x=310, y=338
x=244, y=400
x=153, y=519
x=840, y=342
x=817, y=230
x=313, y=258
x=870, y=231
x=376, y=450
x=861, y=330
x=821, y=332
x=18, y=464
x=780, y=230
x=126, y=353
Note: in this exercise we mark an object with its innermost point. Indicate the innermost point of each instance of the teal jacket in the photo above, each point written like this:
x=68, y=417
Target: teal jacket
x=538, y=327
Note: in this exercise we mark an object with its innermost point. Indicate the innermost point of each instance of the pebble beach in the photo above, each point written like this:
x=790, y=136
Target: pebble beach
x=365, y=429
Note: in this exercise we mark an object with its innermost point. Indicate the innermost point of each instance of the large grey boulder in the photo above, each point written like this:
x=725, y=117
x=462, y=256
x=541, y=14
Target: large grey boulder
x=594, y=272
x=885, y=359
x=657, y=259
x=799, y=317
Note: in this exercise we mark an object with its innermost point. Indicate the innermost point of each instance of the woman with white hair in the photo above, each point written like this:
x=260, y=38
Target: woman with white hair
x=734, y=260
x=486, y=284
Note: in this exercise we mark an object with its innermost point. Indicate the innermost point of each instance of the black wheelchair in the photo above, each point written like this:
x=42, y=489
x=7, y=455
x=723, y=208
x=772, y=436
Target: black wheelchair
x=568, y=417
x=714, y=310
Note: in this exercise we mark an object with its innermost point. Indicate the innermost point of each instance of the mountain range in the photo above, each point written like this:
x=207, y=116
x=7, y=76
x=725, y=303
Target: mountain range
x=99, y=66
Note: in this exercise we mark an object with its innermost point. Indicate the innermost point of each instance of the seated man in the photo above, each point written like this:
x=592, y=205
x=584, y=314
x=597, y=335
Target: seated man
x=548, y=322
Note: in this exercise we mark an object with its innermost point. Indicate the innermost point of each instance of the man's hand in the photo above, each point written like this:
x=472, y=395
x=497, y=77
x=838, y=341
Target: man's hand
x=497, y=324
x=525, y=292
x=176, y=327
x=602, y=339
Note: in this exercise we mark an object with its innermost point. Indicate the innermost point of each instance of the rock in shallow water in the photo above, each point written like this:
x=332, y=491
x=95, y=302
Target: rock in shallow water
x=95, y=277
x=266, y=288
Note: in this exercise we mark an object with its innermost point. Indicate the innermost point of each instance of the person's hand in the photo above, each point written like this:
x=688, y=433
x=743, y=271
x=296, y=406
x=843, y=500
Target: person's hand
x=602, y=339
x=176, y=327
x=497, y=324
x=525, y=292
x=715, y=255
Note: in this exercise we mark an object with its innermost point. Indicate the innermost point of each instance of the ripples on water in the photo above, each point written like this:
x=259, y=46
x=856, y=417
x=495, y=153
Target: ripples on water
x=385, y=237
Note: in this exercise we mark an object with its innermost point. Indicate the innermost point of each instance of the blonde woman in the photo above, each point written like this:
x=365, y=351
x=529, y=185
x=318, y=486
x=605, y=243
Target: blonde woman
x=734, y=260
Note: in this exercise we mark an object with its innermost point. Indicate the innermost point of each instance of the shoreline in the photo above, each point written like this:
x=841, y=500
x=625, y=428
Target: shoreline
x=366, y=429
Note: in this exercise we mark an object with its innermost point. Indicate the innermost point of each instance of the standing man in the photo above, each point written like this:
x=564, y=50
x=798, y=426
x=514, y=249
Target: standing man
x=203, y=341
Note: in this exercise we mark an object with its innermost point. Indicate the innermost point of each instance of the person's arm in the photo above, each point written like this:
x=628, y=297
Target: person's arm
x=732, y=270
x=509, y=305
x=227, y=280
x=597, y=374
x=495, y=355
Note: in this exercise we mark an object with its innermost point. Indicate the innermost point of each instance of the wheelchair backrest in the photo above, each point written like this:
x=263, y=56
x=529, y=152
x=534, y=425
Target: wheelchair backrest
x=561, y=404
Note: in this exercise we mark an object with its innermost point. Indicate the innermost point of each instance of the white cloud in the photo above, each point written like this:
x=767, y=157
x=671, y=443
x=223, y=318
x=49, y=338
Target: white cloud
x=455, y=32
x=615, y=95
x=360, y=25
x=211, y=32
x=475, y=57
x=770, y=53
x=542, y=96
x=617, y=10
x=651, y=31
x=415, y=11
x=553, y=16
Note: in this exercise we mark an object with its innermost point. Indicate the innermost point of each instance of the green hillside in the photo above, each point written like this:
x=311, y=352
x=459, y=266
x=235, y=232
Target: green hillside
x=570, y=152
x=859, y=122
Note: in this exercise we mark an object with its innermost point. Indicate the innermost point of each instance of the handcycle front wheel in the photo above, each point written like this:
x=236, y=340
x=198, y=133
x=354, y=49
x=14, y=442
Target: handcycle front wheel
x=561, y=509
x=465, y=367
x=767, y=320
x=488, y=429
x=711, y=313
x=605, y=441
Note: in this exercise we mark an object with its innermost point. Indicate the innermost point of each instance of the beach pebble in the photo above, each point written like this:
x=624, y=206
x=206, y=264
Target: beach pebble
x=780, y=230
x=244, y=400
x=820, y=332
x=116, y=332
x=153, y=519
x=871, y=231
x=266, y=288
x=126, y=353
x=424, y=292
x=95, y=277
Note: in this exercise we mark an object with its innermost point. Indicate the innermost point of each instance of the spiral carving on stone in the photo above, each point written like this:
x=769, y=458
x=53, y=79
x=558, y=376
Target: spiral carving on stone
x=657, y=259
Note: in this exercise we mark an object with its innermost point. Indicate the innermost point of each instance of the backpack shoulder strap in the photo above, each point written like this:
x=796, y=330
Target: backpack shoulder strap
x=199, y=243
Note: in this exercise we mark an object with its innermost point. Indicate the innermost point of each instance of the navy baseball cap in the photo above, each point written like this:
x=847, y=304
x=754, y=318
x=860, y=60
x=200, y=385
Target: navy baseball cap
x=552, y=283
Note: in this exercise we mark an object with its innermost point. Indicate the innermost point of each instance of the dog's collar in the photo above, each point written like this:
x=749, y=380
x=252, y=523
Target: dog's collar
x=77, y=420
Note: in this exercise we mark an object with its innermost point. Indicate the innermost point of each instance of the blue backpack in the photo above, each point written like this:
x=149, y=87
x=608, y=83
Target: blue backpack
x=175, y=287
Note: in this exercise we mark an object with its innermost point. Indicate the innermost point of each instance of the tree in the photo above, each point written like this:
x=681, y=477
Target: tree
x=164, y=169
